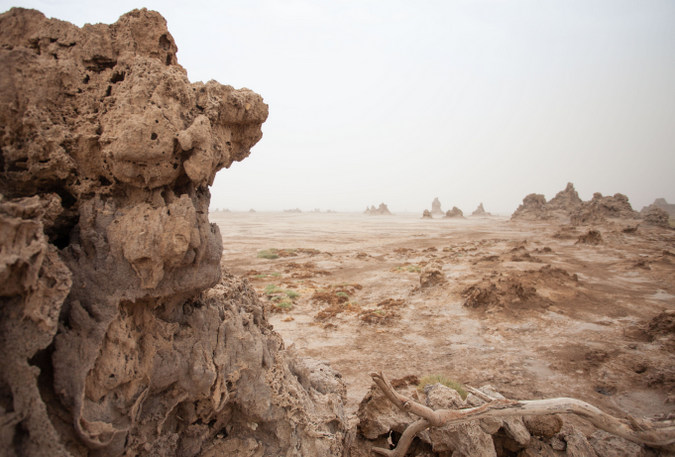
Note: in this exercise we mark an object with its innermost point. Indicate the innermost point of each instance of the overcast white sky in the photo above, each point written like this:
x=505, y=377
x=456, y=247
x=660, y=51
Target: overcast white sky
x=400, y=102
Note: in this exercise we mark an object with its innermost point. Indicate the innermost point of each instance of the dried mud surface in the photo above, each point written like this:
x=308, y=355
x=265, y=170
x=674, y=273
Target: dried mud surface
x=524, y=306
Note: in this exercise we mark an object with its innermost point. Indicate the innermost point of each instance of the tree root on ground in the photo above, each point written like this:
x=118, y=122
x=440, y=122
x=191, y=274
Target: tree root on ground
x=658, y=434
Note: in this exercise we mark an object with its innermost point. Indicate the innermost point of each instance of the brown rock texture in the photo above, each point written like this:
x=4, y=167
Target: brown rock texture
x=535, y=206
x=655, y=215
x=566, y=206
x=664, y=205
x=600, y=208
x=111, y=342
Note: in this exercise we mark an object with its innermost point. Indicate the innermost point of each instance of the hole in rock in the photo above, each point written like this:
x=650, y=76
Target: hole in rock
x=117, y=76
x=164, y=42
x=18, y=165
x=153, y=136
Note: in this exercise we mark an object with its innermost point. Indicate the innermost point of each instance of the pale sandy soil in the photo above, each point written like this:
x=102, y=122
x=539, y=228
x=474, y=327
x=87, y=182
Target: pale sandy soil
x=551, y=335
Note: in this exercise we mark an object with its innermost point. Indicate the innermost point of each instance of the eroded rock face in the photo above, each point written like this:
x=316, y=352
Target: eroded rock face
x=110, y=341
x=535, y=206
x=655, y=215
x=664, y=205
x=566, y=206
x=600, y=208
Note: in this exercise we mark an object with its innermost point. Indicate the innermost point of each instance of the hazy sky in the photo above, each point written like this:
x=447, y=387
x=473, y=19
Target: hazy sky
x=400, y=102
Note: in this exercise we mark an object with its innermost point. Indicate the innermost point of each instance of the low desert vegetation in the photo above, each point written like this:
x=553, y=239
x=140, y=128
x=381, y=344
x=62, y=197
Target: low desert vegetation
x=273, y=253
x=441, y=379
x=274, y=274
x=409, y=268
x=281, y=299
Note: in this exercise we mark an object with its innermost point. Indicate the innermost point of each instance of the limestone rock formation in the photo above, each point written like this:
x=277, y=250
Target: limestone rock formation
x=480, y=211
x=454, y=213
x=426, y=214
x=600, y=208
x=655, y=215
x=566, y=206
x=535, y=206
x=664, y=205
x=566, y=200
x=436, y=207
x=111, y=341
x=381, y=210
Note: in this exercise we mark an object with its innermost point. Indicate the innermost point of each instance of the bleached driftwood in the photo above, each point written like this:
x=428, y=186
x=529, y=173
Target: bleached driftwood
x=659, y=434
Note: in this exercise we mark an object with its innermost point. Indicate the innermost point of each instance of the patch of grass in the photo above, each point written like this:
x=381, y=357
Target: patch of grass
x=342, y=294
x=272, y=289
x=292, y=294
x=285, y=304
x=274, y=274
x=274, y=253
x=440, y=379
x=269, y=254
x=409, y=267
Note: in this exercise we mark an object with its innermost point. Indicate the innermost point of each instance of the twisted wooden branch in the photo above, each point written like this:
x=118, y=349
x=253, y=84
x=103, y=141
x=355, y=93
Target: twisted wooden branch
x=642, y=431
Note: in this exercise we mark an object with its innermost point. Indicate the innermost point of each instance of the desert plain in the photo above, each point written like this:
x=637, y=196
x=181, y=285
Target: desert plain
x=535, y=309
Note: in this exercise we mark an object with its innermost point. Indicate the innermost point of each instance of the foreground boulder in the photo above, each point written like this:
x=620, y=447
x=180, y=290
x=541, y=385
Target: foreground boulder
x=117, y=334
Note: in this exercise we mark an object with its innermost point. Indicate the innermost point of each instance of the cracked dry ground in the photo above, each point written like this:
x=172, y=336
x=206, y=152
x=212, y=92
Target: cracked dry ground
x=535, y=309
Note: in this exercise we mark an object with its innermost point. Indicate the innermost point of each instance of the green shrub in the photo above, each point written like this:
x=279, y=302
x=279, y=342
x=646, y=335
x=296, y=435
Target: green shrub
x=342, y=294
x=292, y=294
x=285, y=304
x=272, y=289
x=270, y=254
x=440, y=379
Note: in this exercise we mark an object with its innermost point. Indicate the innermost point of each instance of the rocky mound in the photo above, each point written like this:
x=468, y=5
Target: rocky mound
x=600, y=208
x=111, y=341
x=436, y=207
x=535, y=206
x=381, y=210
x=454, y=213
x=426, y=214
x=655, y=215
x=512, y=292
x=566, y=200
x=567, y=206
x=664, y=205
x=480, y=211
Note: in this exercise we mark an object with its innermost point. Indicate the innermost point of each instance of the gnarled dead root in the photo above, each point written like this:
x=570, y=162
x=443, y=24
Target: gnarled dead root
x=659, y=434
